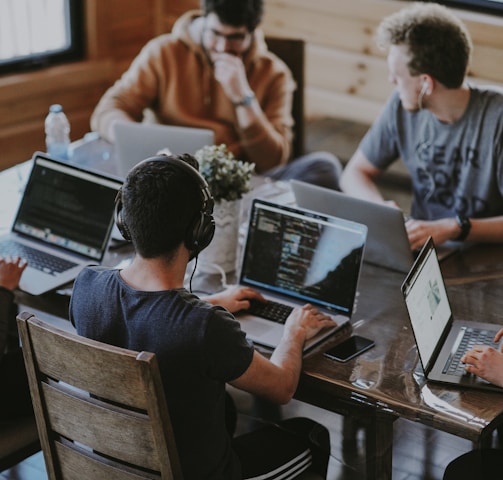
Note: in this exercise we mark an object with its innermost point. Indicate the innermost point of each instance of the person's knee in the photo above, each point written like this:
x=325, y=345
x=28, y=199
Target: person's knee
x=319, y=168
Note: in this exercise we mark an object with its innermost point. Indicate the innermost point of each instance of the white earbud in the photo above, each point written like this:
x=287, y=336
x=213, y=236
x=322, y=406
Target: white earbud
x=422, y=93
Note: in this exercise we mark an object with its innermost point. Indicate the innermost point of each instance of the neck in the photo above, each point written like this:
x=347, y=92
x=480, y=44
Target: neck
x=448, y=105
x=156, y=274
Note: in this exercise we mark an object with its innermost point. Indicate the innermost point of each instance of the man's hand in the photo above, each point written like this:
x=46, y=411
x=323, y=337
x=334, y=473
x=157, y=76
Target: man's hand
x=441, y=230
x=11, y=270
x=485, y=362
x=230, y=73
x=310, y=319
x=235, y=298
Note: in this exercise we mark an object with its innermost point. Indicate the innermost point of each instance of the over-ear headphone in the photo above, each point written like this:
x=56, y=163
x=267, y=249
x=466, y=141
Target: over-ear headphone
x=200, y=232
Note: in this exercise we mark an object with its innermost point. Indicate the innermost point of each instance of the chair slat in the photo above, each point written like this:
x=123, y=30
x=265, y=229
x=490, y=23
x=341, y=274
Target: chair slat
x=101, y=410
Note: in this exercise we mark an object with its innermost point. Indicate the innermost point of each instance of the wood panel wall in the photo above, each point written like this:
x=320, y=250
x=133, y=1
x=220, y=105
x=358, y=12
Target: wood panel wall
x=346, y=75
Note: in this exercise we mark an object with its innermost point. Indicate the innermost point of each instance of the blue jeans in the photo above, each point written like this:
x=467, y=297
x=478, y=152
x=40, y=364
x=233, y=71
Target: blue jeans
x=320, y=168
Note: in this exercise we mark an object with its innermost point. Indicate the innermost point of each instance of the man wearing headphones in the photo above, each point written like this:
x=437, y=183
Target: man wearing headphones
x=165, y=209
x=448, y=134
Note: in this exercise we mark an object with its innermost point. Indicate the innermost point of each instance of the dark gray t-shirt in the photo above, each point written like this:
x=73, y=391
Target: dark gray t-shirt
x=199, y=348
x=455, y=168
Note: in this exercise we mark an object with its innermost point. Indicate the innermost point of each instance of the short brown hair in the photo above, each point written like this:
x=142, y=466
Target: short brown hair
x=438, y=42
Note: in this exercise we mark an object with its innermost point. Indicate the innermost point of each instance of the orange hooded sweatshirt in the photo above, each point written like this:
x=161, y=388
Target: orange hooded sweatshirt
x=173, y=77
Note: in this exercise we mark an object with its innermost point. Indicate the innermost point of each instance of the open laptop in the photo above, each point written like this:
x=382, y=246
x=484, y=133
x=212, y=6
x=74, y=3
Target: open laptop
x=439, y=337
x=136, y=141
x=294, y=257
x=387, y=242
x=62, y=224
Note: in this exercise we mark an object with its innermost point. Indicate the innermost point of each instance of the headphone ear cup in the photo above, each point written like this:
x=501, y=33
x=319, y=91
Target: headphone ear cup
x=121, y=225
x=200, y=233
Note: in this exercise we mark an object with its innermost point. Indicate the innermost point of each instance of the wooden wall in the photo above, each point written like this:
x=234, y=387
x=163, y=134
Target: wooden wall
x=346, y=75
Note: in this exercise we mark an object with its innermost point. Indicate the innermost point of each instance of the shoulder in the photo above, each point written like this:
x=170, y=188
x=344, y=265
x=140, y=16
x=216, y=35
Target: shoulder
x=492, y=95
x=94, y=277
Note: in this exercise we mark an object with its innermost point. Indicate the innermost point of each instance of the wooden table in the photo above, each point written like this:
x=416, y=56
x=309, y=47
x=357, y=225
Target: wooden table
x=386, y=382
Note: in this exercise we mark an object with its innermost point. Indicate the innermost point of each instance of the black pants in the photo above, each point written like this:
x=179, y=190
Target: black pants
x=477, y=464
x=281, y=449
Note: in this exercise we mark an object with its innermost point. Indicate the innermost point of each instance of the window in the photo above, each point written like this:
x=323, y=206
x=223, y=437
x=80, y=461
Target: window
x=38, y=33
x=486, y=6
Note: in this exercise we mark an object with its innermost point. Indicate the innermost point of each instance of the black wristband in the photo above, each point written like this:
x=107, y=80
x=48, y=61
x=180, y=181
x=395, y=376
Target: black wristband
x=465, y=225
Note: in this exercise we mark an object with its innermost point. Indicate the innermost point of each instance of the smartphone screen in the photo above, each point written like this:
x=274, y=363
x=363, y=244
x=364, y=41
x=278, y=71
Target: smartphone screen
x=349, y=348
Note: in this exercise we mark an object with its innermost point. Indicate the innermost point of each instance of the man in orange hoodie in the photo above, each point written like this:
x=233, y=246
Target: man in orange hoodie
x=214, y=71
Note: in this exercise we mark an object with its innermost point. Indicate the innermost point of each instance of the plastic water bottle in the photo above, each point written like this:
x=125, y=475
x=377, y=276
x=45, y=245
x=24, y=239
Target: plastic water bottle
x=57, y=132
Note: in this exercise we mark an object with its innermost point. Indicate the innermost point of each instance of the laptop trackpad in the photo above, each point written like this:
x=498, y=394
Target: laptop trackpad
x=257, y=328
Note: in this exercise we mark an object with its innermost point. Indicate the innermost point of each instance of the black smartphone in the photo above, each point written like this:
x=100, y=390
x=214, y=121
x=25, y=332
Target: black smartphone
x=349, y=348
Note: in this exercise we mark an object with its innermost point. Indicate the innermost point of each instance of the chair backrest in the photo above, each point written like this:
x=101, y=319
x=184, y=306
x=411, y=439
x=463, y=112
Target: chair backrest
x=292, y=52
x=100, y=410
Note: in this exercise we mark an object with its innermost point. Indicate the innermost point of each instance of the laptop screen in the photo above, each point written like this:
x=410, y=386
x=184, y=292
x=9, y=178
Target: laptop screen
x=427, y=303
x=304, y=255
x=67, y=207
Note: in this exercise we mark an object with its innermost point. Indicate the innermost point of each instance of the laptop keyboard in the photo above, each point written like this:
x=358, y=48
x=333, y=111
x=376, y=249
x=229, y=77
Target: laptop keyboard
x=42, y=261
x=470, y=337
x=275, y=311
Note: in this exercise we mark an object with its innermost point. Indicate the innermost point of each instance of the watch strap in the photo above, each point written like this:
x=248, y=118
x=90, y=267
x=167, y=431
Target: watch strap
x=465, y=225
x=246, y=100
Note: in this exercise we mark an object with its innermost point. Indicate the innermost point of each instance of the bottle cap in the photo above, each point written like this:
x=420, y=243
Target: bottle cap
x=56, y=108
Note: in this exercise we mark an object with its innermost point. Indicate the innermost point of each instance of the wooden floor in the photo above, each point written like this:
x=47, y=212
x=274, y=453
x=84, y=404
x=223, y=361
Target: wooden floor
x=419, y=453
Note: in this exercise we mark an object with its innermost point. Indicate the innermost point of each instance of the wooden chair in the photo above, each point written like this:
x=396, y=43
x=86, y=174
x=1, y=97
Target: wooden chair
x=292, y=52
x=100, y=410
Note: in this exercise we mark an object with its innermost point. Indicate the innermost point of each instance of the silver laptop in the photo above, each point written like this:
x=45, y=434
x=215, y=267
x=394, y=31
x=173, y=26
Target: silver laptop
x=382, y=248
x=441, y=340
x=136, y=141
x=294, y=257
x=63, y=223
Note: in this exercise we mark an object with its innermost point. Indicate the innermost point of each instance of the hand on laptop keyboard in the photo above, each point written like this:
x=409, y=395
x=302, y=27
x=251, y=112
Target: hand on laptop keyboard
x=11, y=269
x=235, y=298
x=310, y=319
x=486, y=362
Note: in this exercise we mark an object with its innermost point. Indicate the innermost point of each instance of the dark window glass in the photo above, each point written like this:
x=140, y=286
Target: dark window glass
x=38, y=33
x=485, y=6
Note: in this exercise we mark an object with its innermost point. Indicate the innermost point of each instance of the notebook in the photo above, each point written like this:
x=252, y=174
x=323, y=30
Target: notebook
x=62, y=224
x=136, y=141
x=439, y=337
x=382, y=248
x=294, y=257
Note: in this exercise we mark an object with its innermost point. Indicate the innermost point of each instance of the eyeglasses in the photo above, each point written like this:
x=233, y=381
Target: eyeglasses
x=234, y=40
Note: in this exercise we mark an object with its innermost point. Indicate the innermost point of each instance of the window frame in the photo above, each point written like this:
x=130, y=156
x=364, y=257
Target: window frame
x=74, y=52
x=482, y=6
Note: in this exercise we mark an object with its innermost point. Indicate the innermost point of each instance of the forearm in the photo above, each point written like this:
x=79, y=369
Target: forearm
x=267, y=145
x=358, y=179
x=277, y=378
x=288, y=357
x=488, y=230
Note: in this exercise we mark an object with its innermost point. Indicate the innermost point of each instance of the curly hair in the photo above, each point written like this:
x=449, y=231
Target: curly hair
x=236, y=12
x=438, y=42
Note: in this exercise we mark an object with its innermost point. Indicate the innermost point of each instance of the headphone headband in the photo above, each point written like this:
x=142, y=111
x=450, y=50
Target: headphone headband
x=202, y=228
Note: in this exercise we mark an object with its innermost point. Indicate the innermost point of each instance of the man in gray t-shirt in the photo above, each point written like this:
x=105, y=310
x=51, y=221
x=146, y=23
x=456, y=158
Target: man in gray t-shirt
x=448, y=134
